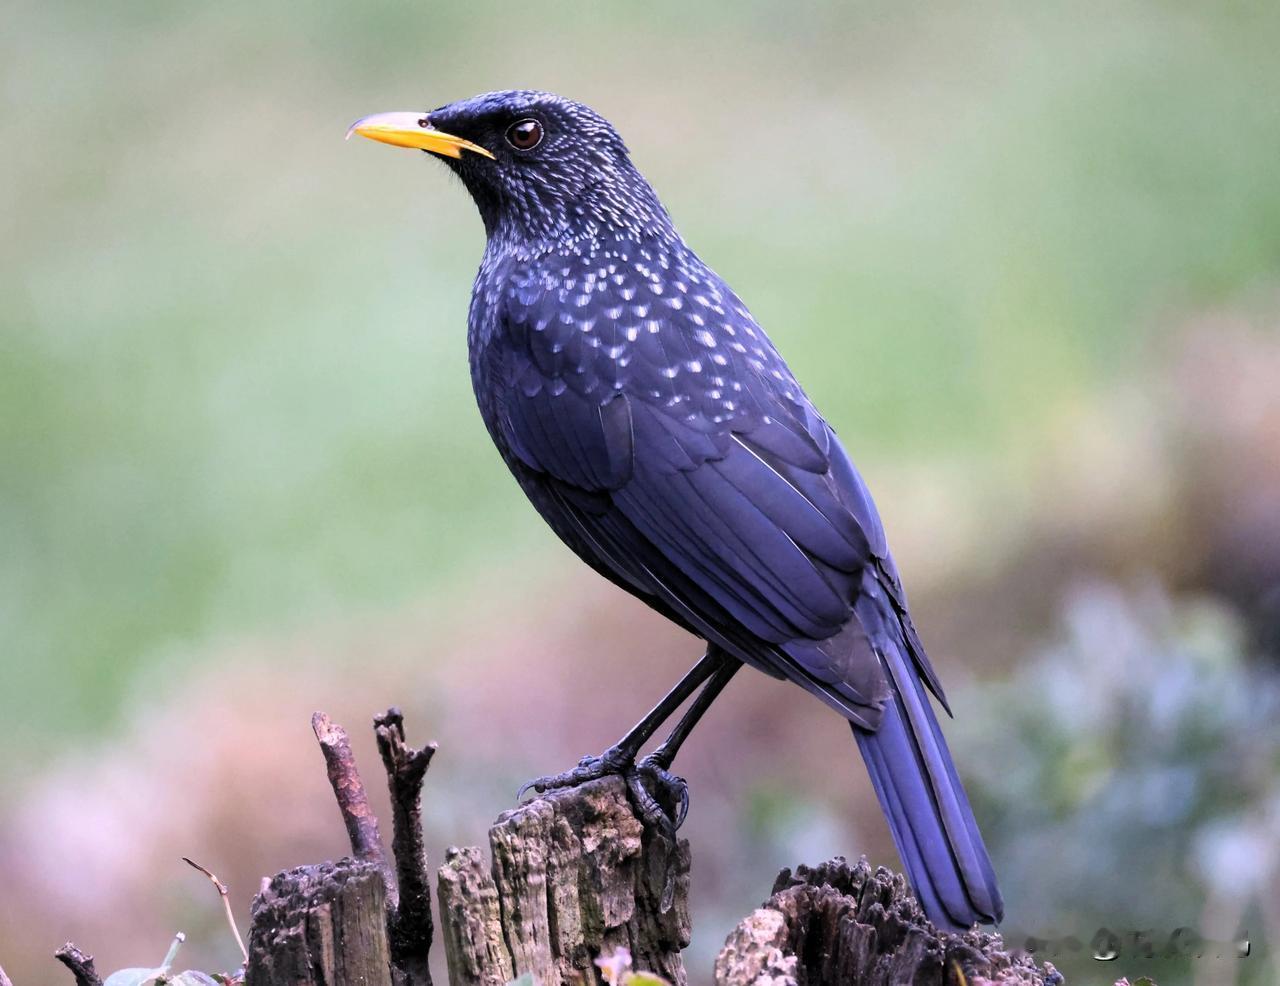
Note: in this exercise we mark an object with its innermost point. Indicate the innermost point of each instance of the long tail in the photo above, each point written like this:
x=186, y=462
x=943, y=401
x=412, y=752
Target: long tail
x=925, y=804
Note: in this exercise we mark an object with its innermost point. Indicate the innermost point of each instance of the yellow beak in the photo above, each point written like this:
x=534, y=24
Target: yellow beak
x=413, y=130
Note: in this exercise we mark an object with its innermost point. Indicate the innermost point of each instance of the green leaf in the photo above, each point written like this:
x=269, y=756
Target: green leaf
x=190, y=978
x=133, y=977
x=526, y=980
x=643, y=979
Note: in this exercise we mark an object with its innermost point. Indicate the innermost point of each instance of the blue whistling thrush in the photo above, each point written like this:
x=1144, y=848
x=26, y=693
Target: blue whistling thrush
x=654, y=426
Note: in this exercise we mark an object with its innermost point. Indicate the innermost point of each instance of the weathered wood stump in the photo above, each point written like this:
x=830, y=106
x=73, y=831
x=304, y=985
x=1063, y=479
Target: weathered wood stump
x=323, y=925
x=574, y=875
x=842, y=925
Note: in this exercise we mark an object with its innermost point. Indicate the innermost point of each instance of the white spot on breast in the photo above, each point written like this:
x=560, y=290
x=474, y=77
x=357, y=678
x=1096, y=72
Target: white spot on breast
x=706, y=338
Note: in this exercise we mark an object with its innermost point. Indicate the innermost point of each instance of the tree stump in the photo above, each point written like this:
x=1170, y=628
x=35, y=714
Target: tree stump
x=574, y=875
x=323, y=925
x=839, y=925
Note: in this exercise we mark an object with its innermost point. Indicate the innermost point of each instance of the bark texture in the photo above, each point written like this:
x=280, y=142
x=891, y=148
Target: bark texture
x=322, y=925
x=573, y=875
x=847, y=925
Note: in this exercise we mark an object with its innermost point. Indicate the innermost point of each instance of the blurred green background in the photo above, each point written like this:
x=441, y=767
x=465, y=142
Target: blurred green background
x=1026, y=257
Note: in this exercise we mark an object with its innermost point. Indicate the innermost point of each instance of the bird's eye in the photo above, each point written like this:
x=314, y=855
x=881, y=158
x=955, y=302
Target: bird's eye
x=525, y=135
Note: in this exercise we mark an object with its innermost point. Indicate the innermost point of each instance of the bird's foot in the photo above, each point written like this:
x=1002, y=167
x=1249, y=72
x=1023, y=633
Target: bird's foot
x=660, y=798
x=614, y=761
x=667, y=794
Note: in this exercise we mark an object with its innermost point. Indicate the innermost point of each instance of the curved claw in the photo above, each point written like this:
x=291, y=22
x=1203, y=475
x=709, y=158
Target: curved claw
x=589, y=769
x=683, y=811
x=653, y=768
x=647, y=806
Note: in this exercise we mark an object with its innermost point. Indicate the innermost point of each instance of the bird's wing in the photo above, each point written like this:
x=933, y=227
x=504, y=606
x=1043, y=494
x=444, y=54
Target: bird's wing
x=711, y=483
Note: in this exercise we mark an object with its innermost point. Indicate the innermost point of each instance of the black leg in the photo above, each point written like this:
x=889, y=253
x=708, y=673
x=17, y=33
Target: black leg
x=656, y=767
x=664, y=755
x=621, y=757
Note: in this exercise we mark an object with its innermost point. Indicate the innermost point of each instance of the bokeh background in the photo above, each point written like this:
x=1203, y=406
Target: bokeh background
x=1026, y=257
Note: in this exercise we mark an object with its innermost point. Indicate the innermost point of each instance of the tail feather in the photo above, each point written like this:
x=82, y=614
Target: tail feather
x=928, y=812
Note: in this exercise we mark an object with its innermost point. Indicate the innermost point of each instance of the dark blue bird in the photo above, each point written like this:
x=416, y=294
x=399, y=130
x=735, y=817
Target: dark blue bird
x=654, y=426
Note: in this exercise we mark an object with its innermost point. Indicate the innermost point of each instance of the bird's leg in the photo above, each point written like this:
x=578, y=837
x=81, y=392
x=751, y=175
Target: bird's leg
x=657, y=765
x=621, y=757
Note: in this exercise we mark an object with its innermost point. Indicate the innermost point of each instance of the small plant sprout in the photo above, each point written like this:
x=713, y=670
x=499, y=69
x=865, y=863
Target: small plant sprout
x=226, y=904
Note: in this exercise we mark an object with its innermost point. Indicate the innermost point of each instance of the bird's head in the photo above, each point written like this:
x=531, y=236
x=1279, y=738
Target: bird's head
x=538, y=166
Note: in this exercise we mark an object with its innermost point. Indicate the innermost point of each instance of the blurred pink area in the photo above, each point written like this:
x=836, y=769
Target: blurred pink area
x=1175, y=474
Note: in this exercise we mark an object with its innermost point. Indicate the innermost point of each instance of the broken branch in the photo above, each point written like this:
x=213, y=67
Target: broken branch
x=80, y=964
x=411, y=926
x=348, y=789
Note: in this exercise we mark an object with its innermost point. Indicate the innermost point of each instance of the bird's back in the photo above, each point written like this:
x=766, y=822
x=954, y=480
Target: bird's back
x=657, y=429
